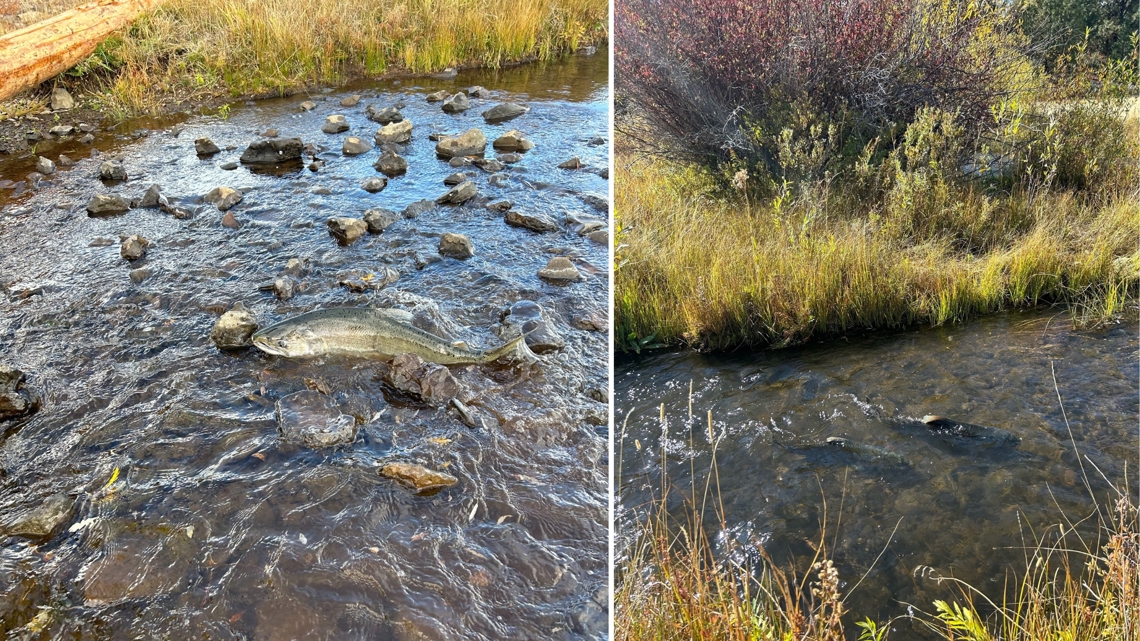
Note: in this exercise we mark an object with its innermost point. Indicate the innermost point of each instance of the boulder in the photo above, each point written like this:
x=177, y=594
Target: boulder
x=380, y=219
x=477, y=91
x=597, y=202
x=573, y=163
x=350, y=101
x=430, y=383
x=45, y=166
x=513, y=140
x=470, y=143
x=229, y=221
x=347, y=230
x=61, y=100
x=373, y=185
x=152, y=197
x=526, y=317
x=383, y=115
x=456, y=246
x=533, y=222
x=489, y=165
x=65, y=161
x=273, y=151
x=455, y=179
x=133, y=247
x=504, y=112
x=106, y=205
x=418, y=478
x=112, y=170
x=15, y=399
x=391, y=164
x=438, y=96
x=456, y=103
x=313, y=420
x=205, y=147
x=395, y=133
x=59, y=131
x=308, y=105
x=459, y=194
x=600, y=236
x=354, y=146
x=223, y=197
x=510, y=157
x=335, y=125
x=418, y=207
x=560, y=270
x=234, y=328
x=499, y=205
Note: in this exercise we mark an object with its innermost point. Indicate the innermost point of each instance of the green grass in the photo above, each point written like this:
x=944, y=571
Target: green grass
x=204, y=49
x=700, y=264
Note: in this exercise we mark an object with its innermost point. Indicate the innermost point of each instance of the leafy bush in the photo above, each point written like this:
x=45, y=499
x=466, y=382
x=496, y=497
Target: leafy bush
x=728, y=80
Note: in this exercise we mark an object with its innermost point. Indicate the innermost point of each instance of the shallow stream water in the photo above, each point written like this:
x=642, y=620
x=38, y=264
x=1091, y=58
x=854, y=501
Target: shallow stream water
x=963, y=507
x=215, y=528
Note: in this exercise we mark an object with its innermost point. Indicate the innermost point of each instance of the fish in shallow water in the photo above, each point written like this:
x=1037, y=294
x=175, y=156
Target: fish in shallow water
x=869, y=452
x=368, y=333
x=967, y=430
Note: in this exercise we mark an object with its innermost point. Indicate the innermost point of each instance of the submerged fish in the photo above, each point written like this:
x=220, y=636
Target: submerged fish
x=366, y=332
x=869, y=452
x=968, y=430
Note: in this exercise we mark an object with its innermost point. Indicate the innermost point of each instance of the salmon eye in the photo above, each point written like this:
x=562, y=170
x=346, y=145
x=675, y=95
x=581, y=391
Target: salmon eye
x=282, y=343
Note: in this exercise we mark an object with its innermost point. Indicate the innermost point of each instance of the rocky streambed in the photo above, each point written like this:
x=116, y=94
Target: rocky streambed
x=162, y=478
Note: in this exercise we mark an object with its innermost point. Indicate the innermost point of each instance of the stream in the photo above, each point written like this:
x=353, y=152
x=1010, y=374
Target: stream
x=964, y=507
x=189, y=516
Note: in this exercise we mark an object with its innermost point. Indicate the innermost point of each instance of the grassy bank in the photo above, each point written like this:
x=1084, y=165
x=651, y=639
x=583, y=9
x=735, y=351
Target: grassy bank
x=703, y=264
x=199, y=50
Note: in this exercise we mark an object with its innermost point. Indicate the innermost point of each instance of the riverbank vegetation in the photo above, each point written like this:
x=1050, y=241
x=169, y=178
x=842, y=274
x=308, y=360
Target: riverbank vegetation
x=673, y=585
x=192, y=51
x=805, y=171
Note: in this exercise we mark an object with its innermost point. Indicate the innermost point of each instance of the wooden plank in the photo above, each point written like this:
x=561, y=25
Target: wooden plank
x=43, y=50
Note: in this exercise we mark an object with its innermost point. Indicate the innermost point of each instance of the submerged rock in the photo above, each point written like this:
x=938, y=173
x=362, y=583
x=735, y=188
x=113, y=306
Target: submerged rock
x=504, y=112
x=560, y=269
x=533, y=222
x=15, y=399
x=133, y=247
x=418, y=207
x=273, y=151
x=391, y=164
x=600, y=236
x=106, y=205
x=112, y=170
x=229, y=221
x=499, y=205
x=510, y=157
x=205, y=147
x=223, y=197
x=354, y=146
x=456, y=246
x=489, y=165
x=513, y=140
x=313, y=420
x=42, y=521
x=234, y=328
x=430, y=383
x=65, y=161
x=456, y=103
x=335, y=125
x=395, y=133
x=347, y=230
x=418, y=478
x=470, y=143
x=380, y=219
x=459, y=194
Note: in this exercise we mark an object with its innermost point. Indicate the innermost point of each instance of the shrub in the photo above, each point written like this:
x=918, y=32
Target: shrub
x=727, y=80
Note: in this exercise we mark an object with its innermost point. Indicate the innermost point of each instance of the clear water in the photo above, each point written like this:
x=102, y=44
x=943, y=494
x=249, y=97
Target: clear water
x=218, y=530
x=963, y=507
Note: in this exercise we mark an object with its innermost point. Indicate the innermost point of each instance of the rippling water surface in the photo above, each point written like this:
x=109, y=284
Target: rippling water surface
x=963, y=507
x=216, y=529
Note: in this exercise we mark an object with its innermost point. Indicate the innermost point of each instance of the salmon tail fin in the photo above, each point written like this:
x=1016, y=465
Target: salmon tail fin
x=507, y=348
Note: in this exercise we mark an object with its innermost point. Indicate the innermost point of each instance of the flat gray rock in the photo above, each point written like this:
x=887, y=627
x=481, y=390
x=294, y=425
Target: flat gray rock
x=313, y=420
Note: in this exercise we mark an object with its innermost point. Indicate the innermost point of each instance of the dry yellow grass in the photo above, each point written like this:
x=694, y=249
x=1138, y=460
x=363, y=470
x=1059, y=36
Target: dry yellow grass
x=698, y=266
x=202, y=49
